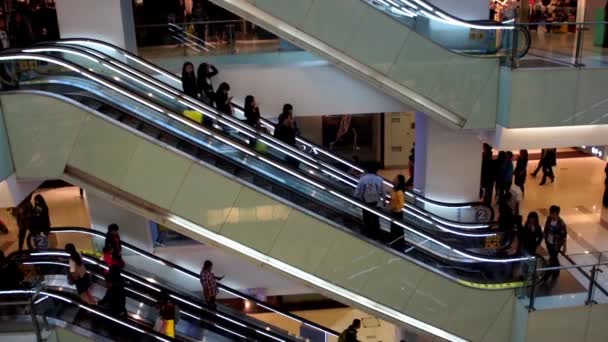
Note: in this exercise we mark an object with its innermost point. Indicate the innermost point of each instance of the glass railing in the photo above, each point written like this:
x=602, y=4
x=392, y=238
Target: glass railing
x=578, y=281
x=280, y=154
x=43, y=304
x=563, y=43
x=340, y=172
x=187, y=281
x=204, y=38
x=484, y=38
x=470, y=266
x=142, y=297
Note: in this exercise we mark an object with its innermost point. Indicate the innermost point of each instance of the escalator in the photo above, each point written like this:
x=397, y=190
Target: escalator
x=110, y=141
x=443, y=66
x=472, y=237
x=196, y=321
x=333, y=170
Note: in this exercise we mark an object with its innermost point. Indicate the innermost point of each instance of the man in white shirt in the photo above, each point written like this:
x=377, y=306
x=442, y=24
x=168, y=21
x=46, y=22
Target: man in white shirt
x=370, y=190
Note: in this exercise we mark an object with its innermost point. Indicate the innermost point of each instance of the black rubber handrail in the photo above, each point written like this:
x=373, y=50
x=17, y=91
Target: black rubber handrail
x=195, y=275
x=268, y=123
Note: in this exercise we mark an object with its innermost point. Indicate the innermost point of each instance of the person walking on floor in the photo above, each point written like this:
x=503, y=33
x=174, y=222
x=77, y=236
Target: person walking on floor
x=520, y=171
x=189, y=80
x=204, y=84
x=209, y=283
x=543, y=152
x=370, y=191
x=556, y=236
x=549, y=162
x=350, y=334
x=78, y=275
x=396, y=209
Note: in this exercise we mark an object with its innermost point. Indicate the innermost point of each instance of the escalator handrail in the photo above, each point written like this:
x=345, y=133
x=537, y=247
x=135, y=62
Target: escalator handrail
x=194, y=275
x=267, y=123
x=30, y=293
x=470, y=257
x=59, y=254
x=474, y=257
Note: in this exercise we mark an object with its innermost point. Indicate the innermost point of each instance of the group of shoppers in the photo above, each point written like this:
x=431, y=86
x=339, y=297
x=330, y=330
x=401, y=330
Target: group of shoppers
x=500, y=174
x=34, y=223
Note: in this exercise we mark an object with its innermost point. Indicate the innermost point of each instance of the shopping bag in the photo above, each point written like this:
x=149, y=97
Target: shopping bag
x=194, y=116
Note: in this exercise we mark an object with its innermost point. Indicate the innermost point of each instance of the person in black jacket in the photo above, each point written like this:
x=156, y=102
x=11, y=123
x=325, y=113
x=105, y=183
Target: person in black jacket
x=285, y=130
x=350, y=333
x=531, y=235
x=189, y=80
x=204, y=85
x=115, y=299
x=252, y=112
x=223, y=99
x=548, y=162
x=520, y=172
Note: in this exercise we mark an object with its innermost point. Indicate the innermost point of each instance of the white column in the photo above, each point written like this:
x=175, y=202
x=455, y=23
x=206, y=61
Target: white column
x=108, y=20
x=448, y=162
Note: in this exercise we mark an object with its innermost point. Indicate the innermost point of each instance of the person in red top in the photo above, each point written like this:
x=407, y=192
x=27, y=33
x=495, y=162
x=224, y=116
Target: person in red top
x=209, y=283
x=113, y=239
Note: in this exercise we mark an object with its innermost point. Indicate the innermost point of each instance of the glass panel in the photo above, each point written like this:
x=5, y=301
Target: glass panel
x=346, y=172
x=266, y=174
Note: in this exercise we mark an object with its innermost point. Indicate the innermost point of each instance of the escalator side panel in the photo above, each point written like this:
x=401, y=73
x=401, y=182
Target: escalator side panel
x=457, y=89
x=33, y=118
x=335, y=262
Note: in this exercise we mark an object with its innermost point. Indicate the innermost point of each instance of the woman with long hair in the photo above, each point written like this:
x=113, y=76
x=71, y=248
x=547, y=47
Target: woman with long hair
x=204, y=84
x=41, y=223
x=78, y=275
x=223, y=99
x=531, y=234
x=252, y=112
x=189, y=80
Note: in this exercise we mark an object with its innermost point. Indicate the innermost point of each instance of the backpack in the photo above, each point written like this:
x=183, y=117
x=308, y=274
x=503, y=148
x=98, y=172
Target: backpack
x=371, y=193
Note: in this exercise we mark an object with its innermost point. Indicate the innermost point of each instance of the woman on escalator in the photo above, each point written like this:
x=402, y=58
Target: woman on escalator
x=252, y=112
x=222, y=99
x=78, y=275
x=189, y=80
x=115, y=299
x=396, y=209
x=204, y=85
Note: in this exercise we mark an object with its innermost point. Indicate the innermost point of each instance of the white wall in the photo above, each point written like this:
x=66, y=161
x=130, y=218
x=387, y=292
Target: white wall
x=465, y=9
x=107, y=20
x=398, y=138
x=133, y=228
x=12, y=191
x=313, y=88
x=448, y=162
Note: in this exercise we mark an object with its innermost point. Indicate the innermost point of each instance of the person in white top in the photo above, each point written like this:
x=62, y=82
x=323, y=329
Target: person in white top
x=78, y=275
x=370, y=190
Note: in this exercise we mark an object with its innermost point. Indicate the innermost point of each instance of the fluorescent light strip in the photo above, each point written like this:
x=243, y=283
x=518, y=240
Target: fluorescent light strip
x=141, y=294
x=361, y=206
x=186, y=302
x=424, y=4
x=230, y=331
x=408, y=3
x=268, y=335
x=189, y=314
x=41, y=300
x=230, y=319
x=292, y=173
x=138, y=81
x=289, y=153
x=313, y=279
x=80, y=54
